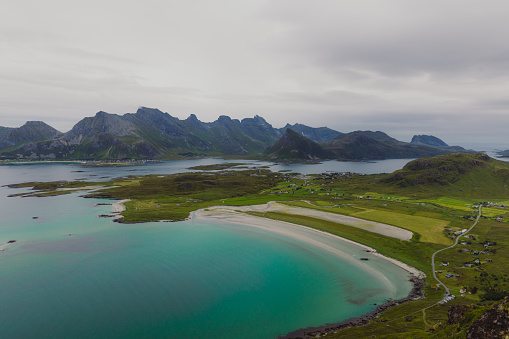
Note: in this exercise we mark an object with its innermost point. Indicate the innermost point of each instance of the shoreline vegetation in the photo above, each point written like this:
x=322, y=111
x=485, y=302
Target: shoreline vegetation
x=430, y=199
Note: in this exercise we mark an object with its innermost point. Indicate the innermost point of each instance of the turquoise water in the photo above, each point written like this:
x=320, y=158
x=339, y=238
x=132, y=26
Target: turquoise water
x=72, y=274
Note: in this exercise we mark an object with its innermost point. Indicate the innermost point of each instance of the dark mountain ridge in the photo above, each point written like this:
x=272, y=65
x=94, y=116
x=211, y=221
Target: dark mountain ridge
x=150, y=133
x=320, y=134
x=363, y=145
x=31, y=131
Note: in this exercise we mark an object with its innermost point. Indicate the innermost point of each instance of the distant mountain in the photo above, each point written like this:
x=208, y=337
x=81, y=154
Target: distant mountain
x=364, y=145
x=294, y=146
x=151, y=134
x=320, y=134
x=428, y=140
x=368, y=145
x=31, y=131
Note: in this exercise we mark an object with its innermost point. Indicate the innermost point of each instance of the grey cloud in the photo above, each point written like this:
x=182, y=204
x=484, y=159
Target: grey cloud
x=409, y=37
x=402, y=66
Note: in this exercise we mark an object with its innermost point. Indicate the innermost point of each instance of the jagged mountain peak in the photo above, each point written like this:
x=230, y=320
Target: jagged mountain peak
x=192, y=117
x=35, y=123
x=148, y=110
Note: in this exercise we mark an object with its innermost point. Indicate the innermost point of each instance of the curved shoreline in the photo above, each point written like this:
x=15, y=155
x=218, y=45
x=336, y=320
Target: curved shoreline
x=236, y=215
x=417, y=278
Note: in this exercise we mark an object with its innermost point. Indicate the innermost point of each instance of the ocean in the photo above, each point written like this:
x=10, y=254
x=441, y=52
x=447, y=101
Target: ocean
x=73, y=274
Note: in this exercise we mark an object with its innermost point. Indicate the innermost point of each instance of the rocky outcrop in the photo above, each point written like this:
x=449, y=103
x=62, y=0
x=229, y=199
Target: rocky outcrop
x=492, y=324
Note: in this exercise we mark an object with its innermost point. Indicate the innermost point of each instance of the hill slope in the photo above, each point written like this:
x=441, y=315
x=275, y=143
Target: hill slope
x=472, y=175
x=31, y=131
x=320, y=134
x=294, y=146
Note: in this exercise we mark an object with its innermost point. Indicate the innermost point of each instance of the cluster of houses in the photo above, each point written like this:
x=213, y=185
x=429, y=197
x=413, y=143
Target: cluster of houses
x=489, y=204
x=463, y=291
x=453, y=234
x=476, y=262
x=335, y=175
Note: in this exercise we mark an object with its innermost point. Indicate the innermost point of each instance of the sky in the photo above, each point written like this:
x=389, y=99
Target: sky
x=404, y=67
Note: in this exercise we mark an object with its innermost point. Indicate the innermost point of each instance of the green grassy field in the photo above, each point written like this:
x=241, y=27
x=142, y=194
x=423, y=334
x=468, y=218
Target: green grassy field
x=430, y=229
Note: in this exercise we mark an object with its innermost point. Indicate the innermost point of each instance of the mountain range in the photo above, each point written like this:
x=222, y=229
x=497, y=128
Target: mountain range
x=358, y=145
x=151, y=134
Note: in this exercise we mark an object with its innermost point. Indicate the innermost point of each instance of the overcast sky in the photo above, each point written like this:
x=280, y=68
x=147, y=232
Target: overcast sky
x=404, y=67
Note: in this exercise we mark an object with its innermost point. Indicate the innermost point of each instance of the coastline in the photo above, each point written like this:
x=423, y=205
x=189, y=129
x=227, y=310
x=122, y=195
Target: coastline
x=312, y=332
x=119, y=207
x=235, y=215
x=367, y=225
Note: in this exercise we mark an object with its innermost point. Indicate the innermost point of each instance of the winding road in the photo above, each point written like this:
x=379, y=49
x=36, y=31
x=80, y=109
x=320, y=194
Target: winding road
x=448, y=293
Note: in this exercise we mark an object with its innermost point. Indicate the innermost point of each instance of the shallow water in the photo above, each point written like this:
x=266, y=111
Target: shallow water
x=72, y=274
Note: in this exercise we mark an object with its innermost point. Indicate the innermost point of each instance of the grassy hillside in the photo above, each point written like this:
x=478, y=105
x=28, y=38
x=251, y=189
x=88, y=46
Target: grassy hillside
x=459, y=174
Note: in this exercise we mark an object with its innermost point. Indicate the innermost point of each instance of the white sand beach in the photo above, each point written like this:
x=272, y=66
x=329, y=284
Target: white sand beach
x=234, y=214
x=119, y=207
x=372, y=226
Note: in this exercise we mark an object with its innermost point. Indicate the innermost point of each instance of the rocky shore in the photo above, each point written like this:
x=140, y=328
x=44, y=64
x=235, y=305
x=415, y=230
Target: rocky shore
x=313, y=332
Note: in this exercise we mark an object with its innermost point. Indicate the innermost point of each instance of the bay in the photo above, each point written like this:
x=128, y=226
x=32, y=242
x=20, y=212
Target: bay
x=72, y=274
